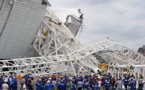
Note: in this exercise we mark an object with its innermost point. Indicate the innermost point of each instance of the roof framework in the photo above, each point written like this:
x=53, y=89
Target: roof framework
x=60, y=51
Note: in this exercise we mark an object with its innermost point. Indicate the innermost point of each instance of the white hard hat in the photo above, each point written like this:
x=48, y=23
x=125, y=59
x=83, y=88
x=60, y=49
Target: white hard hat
x=48, y=81
x=6, y=80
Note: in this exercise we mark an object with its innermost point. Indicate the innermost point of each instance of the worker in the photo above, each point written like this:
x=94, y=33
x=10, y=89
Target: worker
x=132, y=84
x=103, y=82
x=15, y=84
x=80, y=84
x=125, y=82
x=73, y=86
x=119, y=84
x=30, y=84
x=85, y=85
x=5, y=85
x=99, y=83
x=68, y=85
x=91, y=82
x=86, y=77
x=107, y=84
x=94, y=86
x=112, y=83
x=48, y=86
x=1, y=82
x=61, y=86
x=38, y=85
x=9, y=82
x=140, y=83
x=80, y=77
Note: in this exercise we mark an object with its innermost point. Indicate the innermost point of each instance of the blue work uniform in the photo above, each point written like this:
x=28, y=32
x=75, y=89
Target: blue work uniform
x=15, y=85
x=73, y=87
x=9, y=82
x=86, y=77
x=61, y=86
x=85, y=86
x=81, y=78
x=1, y=83
x=94, y=86
x=49, y=86
x=38, y=86
x=125, y=83
x=107, y=85
x=132, y=84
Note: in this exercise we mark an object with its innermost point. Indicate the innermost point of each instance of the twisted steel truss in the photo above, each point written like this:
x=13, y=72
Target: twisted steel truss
x=121, y=55
x=60, y=51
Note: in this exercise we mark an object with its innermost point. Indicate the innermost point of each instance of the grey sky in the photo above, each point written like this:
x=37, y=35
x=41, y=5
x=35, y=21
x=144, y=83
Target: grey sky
x=121, y=20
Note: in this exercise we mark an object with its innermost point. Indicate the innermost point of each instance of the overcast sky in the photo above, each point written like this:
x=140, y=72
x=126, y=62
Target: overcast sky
x=121, y=20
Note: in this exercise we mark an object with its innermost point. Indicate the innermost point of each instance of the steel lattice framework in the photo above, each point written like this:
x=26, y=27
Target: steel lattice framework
x=121, y=55
x=60, y=51
x=50, y=64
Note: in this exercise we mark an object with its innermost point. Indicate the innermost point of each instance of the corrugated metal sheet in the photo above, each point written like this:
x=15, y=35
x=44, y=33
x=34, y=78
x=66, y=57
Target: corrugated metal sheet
x=21, y=28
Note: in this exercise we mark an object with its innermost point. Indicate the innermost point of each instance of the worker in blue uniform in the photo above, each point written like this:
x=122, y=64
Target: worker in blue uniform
x=86, y=77
x=107, y=84
x=38, y=85
x=61, y=86
x=125, y=82
x=1, y=83
x=73, y=86
x=94, y=86
x=80, y=77
x=85, y=85
x=15, y=84
x=103, y=82
x=9, y=82
x=132, y=84
x=48, y=86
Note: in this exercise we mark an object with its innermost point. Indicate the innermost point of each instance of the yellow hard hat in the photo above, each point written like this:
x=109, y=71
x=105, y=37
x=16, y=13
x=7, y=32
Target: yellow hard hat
x=80, y=75
x=91, y=77
x=139, y=77
x=61, y=76
x=96, y=75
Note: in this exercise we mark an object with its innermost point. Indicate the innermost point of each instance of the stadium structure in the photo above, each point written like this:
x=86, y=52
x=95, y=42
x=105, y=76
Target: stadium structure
x=35, y=39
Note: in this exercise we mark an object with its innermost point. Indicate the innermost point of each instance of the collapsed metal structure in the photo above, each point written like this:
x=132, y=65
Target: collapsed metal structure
x=60, y=51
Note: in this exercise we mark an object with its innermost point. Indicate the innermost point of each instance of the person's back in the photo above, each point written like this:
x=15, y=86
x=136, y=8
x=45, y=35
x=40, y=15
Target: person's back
x=24, y=87
x=54, y=83
x=38, y=86
x=119, y=85
x=49, y=86
x=73, y=87
x=85, y=86
x=107, y=85
x=94, y=86
x=15, y=84
x=140, y=83
x=68, y=85
x=62, y=86
x=80, y=85
x=5, y=86
x=132, y=84
x=1, y=83
x=23, y=80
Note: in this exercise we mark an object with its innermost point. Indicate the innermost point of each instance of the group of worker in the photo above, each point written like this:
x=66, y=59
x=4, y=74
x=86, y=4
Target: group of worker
x=81, y=82
x=8, y=82
x=86, y=82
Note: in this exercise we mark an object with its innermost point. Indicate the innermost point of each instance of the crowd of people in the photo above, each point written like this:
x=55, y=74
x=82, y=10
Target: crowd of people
x=81, y=82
